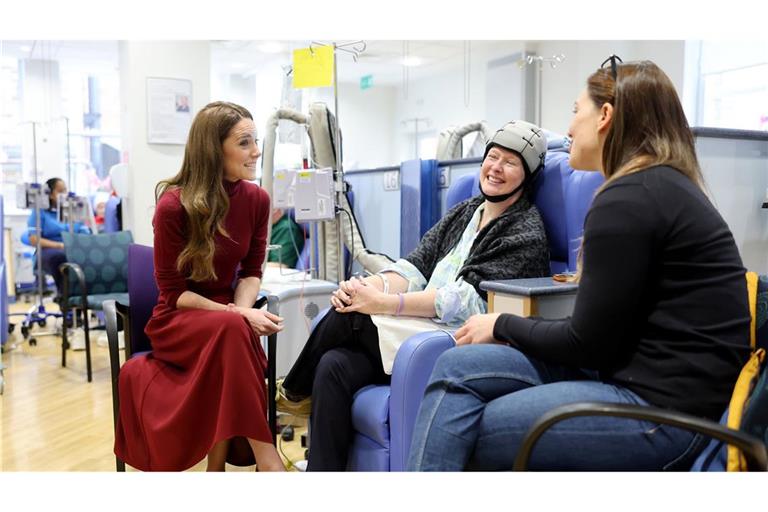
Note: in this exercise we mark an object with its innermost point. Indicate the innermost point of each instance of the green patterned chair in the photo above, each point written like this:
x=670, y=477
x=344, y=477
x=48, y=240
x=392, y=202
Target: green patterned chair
x=96, y=270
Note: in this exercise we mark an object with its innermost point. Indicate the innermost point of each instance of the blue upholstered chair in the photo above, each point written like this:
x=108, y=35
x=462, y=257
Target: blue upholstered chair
x=384, y=416
x=111, y=221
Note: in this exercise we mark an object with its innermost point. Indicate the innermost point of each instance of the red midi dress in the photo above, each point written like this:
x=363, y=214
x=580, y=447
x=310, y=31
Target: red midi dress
x=204, y=380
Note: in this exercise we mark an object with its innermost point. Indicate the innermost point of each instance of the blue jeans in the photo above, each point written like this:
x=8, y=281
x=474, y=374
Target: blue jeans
x=481, y=400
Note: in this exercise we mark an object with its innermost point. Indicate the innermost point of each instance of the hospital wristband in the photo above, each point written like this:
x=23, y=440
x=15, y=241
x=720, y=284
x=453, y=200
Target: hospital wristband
x=385, y=281
x=400, y=304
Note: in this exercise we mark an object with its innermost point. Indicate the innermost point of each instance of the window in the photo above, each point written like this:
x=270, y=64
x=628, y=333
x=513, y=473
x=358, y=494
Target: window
x=65, y=86
x=732, y=84
x=10, y=134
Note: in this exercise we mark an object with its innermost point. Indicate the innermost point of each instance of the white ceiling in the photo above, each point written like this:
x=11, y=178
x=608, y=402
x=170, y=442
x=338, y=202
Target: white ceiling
x=85, y=54
x=382, y=59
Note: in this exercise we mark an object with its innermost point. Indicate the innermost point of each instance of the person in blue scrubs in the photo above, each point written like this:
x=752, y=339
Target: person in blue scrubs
x=51, y=243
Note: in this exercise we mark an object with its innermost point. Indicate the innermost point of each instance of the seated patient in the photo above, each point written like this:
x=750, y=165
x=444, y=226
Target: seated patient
x=498, y=235
x=51, y=244
x=661, y=315
x=287, y=234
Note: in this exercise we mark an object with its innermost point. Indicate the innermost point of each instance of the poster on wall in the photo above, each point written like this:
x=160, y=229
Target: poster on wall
x=169, y=115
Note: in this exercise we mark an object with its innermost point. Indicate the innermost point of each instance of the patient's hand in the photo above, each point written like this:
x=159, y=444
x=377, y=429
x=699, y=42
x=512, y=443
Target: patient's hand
x=356, y=295
x=343, y=296
x=478, y=329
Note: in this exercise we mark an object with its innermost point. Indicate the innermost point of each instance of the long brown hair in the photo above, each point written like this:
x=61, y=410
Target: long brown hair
x=202, y=191
x=649, y=127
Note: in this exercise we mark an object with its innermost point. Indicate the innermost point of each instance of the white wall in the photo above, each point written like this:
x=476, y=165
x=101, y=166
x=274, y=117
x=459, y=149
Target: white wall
x=375, y=133
x=365, y=117
x=561, y=86
x=41, y=105
x=440, y=99
x=150, y=163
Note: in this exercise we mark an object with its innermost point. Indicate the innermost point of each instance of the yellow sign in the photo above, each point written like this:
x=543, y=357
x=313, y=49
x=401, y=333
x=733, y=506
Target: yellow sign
x=313, y=68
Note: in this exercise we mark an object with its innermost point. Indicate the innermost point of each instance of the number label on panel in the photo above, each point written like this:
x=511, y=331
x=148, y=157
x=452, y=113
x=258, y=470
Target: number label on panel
x=445, y=177
x=392, y=180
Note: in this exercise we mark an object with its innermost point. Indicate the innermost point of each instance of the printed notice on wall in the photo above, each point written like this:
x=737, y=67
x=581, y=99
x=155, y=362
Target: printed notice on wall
x=169, y=102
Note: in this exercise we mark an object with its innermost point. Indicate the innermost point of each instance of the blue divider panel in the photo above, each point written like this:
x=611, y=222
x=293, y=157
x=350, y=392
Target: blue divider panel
x=419, y=201
x=3, y=284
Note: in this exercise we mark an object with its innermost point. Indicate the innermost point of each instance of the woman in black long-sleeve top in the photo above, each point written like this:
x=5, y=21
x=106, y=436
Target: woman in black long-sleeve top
x=661, y=314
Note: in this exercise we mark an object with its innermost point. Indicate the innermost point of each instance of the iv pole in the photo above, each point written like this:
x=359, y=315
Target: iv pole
x=355, y=48
x=539, y=60
x=37, y=314
x=69, y=156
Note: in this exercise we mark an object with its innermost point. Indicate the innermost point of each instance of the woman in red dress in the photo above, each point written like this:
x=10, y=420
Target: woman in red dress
x=201, y=390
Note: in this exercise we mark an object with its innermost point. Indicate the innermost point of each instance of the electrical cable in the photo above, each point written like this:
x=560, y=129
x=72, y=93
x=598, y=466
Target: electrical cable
x=293, y=241
x=291, y=463
x=348, y=268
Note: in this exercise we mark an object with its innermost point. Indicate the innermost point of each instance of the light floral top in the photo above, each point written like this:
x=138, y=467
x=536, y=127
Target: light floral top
x=456, y=300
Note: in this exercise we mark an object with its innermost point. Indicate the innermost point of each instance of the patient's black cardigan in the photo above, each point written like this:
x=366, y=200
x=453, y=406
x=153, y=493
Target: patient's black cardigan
x=511, y=246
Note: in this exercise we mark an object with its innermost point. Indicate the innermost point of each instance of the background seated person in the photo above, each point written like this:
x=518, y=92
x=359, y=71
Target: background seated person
x=287, y=234
x=497, y=235
x=51, y=243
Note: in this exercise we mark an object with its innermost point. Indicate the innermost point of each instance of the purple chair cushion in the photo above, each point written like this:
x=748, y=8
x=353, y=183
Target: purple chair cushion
x=142, y=293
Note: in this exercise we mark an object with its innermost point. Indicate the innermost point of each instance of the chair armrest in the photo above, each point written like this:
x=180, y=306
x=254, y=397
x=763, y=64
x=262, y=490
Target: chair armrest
x=65, y=269
x=271, y=369
x=753, y=448
x=110, y=315
x=412, y=368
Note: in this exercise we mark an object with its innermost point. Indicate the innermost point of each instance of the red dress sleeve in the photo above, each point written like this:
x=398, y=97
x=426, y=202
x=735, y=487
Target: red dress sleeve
x=251, y=266
x=168, y=224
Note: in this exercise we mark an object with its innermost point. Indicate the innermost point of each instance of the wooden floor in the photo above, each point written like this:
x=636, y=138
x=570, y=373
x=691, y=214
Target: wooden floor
x=54, y=420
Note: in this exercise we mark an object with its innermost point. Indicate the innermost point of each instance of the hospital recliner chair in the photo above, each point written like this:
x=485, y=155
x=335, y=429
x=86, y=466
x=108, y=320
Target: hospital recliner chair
x=383, y=417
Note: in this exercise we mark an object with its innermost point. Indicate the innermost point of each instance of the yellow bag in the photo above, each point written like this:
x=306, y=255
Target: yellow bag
x=747, y=378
